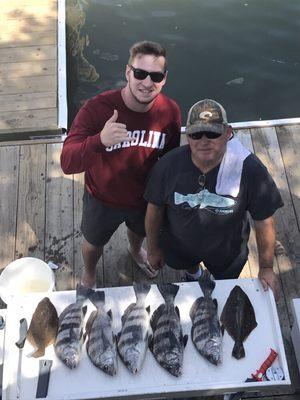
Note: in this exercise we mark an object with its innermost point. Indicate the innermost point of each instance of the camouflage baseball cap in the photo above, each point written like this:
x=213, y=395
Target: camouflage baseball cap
x=206, y=115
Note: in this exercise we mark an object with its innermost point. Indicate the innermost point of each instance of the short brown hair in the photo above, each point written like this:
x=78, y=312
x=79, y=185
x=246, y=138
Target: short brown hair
x=145, y=47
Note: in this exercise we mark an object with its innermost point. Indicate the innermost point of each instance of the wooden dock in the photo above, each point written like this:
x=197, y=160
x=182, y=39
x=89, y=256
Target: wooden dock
x=40, y=210
x=28, y=66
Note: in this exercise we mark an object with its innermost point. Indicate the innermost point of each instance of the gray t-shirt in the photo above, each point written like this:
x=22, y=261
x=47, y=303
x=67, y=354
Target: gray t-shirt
x=200, y=225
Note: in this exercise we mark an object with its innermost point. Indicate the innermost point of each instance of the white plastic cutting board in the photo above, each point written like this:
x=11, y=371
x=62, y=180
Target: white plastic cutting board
x=199, y=376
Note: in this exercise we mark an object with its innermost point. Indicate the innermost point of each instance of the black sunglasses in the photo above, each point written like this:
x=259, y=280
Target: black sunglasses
x=141, y=74
x=209, y=135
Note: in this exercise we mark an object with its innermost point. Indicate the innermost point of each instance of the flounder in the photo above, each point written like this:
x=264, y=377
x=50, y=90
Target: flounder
x=238, y=318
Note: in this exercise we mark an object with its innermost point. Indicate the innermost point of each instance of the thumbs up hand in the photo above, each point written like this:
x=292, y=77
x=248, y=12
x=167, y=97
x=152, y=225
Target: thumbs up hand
x=113, y=131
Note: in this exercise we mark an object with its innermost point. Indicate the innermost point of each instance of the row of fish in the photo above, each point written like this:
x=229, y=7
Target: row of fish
x=162, y=332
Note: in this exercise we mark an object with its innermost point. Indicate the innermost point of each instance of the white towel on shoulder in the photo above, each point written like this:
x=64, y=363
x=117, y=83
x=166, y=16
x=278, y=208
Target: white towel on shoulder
x=229, y=175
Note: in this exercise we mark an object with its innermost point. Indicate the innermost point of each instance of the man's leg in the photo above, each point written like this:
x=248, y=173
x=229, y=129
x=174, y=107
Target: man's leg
x=91, y=255
x=135, y=243
x=97, y=226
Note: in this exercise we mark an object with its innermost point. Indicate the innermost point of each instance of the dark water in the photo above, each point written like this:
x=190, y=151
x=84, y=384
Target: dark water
x=244, y=54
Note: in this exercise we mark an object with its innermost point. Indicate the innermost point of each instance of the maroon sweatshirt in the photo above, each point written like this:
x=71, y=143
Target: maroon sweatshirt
x=117, y=175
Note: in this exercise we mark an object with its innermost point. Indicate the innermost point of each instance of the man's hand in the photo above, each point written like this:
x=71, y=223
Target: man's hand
x=268, y=278
x=114, y=132
x=156, y=258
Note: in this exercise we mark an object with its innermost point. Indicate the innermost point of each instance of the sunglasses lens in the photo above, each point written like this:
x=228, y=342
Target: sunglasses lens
x=209, y=135
x=156, y=76
x=139, y=74
x=196, y=135
x=212, y=135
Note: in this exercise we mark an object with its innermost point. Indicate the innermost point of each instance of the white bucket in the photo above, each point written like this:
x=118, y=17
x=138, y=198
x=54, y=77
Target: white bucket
x=26, y=275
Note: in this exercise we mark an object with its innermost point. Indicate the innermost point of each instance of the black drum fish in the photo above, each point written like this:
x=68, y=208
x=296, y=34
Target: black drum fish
x=206, y=330
x=168, y=342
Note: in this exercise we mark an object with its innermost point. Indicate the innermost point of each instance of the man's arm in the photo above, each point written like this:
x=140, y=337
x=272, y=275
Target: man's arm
x=153, y=223
x=84, y=142
x=265, y=239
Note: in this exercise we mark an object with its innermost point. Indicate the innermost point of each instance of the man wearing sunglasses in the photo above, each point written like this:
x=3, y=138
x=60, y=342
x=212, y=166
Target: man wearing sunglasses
x=199, y=197
x=115, y=139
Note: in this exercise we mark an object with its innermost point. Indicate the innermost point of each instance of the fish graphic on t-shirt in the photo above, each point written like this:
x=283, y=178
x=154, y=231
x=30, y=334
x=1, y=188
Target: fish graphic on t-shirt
x=204, y=199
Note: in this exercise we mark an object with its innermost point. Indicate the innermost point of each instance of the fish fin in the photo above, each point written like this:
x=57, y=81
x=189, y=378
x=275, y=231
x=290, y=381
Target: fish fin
x=82, y=292
x=117, y=336
x=126, y=312
x=84, y=310
x=206, y=283
x=90, y=321
x=148, y=309
x=156, y=315
x=177, y=311
x=151, y=343
x=64, y=313
x=81, y=335
x=97, y=297
x=216, y=303
x=238, y=350
x=150, y=338
x=222, y=329
x=38, y=353
x=192, y=331
x=195, y=306
x=141, y=290
x=185, y=340
x=110, y=314
x=168, y=291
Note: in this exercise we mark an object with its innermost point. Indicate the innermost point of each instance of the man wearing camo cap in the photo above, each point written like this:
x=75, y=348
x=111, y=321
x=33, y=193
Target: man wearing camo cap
x=198, y=197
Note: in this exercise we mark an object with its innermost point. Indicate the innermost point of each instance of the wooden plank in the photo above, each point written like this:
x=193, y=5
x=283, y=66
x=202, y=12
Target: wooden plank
x=244, y=136
x=59, y=219
x=117, y=263
x=29, y=119
x=251, y=268
x=27, y=68
x=28, y=53
x=27, y=40
x=29, y=10
x=20, y=32
x=58, y=139
x=29, y=24
x=20, y=4
x=31, y=203
x=289, y=140
x=9, y=178
x=78, y=187
x=267, y=148
x=29, y=84
x=30, y=101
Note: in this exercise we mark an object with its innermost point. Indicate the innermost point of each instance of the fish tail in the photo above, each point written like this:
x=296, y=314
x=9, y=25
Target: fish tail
x=38, y=353
x=206, y=283
x=168, y=291
x=97, y=298
x=141, y=290
x=238, y=350
x=82, y=292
